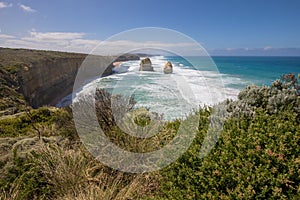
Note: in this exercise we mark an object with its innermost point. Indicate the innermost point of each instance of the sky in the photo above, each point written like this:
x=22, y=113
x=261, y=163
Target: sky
x=222, y=27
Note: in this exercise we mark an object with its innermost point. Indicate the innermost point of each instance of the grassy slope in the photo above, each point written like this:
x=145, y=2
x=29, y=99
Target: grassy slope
x=12, y=57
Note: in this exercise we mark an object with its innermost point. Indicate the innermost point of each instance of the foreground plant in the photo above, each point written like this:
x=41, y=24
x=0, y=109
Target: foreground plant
x=256, y=156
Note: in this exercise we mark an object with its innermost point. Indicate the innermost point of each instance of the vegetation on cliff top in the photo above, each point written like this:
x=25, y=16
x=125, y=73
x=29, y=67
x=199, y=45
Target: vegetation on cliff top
x=257, y=155
x=12, y=57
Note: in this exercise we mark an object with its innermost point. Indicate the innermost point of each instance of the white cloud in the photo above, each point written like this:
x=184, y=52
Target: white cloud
x=268, y=48
x=55, y=35
x=61, y=41
x=265, y=51
x=26, y=8
x=4, y=36
x=5, y=5
x=76, y=42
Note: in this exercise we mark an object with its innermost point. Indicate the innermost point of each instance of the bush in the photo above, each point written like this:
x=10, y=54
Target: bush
x=49, y=121
x=257, y=155
x=283, y=94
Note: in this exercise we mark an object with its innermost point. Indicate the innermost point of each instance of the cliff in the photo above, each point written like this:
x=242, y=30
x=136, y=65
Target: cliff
x=42, y=77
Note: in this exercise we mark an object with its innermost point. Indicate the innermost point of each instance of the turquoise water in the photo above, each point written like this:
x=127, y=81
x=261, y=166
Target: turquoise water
x=195, y=80
x=250, y=70
x=258, y=70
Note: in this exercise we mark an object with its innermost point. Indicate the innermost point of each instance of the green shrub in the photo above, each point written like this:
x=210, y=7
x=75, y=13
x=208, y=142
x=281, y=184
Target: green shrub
x=257, y=155
x=49, y=121
x=282, y=95
x=23, y=179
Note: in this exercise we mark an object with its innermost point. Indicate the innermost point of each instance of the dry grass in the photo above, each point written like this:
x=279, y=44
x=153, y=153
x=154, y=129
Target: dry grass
x=70, y=173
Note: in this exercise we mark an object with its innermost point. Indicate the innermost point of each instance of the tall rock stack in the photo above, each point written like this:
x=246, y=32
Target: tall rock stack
x=168, y=68
x=146, y=65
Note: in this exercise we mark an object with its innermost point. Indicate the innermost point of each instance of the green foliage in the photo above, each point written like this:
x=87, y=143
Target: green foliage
x=50, y=121
x=282, y=95
x=143, y=118
x=11, y=101
x=257, y=155
x=264, y=165
x=288, y=82
x=13, y=68
x=103, y=105
x=26, y=179
x=14, y=126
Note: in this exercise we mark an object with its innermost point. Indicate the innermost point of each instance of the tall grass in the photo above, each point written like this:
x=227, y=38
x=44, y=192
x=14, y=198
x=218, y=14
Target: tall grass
x=50, y=171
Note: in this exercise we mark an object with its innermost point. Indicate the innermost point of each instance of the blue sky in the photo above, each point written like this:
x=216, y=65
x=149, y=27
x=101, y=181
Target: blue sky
x=223, y=27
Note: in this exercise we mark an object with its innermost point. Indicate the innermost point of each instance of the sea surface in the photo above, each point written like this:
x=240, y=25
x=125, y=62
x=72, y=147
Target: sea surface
x=194, y=82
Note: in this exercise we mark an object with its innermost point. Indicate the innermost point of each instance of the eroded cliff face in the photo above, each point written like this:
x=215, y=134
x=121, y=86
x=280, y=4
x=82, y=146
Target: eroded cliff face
x=47, y=81
x=45, y=77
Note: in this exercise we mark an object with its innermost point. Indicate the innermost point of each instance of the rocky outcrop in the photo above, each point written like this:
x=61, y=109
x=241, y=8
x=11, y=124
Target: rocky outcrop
x=47, y=81
x=146, y=65
x=45, y=77
x=168, y=68
x=126, y=57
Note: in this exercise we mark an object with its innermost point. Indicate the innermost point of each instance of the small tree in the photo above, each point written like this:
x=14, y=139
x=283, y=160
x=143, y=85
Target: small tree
x=32, y=120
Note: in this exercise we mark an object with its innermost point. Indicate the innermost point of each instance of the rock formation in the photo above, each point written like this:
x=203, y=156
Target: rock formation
x=146, y=65
x=168, y=68
x=45, y=77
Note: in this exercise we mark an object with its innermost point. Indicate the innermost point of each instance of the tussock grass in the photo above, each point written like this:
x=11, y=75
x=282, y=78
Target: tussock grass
x=53, y=171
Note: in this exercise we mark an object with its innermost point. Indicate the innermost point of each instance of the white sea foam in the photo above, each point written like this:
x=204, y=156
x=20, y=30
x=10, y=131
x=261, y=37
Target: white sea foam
x=173, y=95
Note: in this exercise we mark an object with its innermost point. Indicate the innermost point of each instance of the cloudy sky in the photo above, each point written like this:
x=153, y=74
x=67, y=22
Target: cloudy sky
x=222, y=27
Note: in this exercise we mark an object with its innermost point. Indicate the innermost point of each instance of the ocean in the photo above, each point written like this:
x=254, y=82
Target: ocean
x=194, y=82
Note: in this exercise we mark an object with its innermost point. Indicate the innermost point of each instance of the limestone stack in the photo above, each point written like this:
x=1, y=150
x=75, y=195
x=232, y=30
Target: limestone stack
x=146, y=65
x=168, y=68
